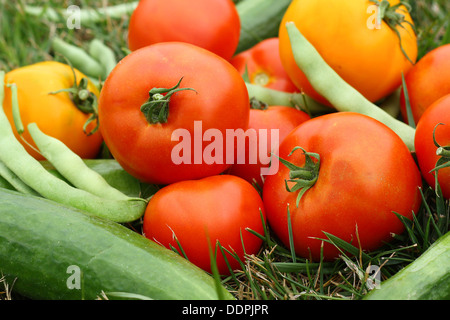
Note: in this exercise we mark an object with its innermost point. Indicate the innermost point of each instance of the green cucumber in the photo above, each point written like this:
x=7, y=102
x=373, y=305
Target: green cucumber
x=260, y=19
x=46, y=249
x=427, y=278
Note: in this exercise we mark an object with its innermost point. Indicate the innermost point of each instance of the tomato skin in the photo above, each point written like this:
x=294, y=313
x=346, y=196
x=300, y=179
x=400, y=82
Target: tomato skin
x=55, y=114
x=281, y=118
x=366, y=173
x=210, y=24
x=427, y=81
x=216, y=207
x=220, y=101
x=368, y=59
x=263, y=65
x=437, y=112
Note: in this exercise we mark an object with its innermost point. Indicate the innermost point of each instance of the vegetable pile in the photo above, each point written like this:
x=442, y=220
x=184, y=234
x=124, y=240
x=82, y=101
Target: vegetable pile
x=228, y=150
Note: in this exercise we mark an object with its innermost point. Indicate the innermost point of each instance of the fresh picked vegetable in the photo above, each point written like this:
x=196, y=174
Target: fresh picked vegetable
x=270, y=124
x=261, y=65
x=369, y=44
x=31, y=172
x=432, y=142
x=212, y=25
x=87, y=15
x=260, y=19
x=345, y=174
x=210, y=216
x=96, y=61
x=339, y=93
x=54, y=252
x=426, y=278
x=426, y=82
x=158, y=103
x=62, y=107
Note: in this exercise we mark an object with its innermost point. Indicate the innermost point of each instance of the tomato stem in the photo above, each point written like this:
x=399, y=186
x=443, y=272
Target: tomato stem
x=261, y=79
x=83, y=99
x=302, y=177
x=258, y=104
x=442, y=152
x=394, y=19
x=156, y=108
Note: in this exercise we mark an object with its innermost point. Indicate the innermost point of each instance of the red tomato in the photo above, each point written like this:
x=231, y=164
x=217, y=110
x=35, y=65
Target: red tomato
x=280, y=118
x=210, y=24
x=201, y=212
x=263, y=66
x=366, y=174
x=147, y=149
x=438, y=112
x=427, y=81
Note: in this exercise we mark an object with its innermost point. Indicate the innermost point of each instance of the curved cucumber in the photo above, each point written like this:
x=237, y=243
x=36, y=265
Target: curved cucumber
x=427, y=278
x=260, y=19
x=49, y=249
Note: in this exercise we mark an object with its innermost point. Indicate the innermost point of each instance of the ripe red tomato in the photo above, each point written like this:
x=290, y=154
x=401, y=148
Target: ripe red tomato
x=365, y=174
x=210, y=24
x=436, y=113
x=263, y=66
x=280, y=118
x=163, y=151
x=427, y=81
x=201, y=212
x=348, y=38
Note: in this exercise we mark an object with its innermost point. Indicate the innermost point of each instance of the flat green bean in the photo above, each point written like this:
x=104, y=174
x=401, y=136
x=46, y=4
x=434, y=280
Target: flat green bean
x=79, y=58
x=71, y=166
x=15, y=110
x=104, y=55
x=14, y=180
x=87, y=15
x=339, y=93
x=281, y=98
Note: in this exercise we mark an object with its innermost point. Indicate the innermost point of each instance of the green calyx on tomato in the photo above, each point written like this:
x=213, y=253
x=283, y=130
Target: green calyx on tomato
x=393, y=19
x=84, y=100
x=302, y=177
x=443, y=152
x=258, y=104
x=156, y=108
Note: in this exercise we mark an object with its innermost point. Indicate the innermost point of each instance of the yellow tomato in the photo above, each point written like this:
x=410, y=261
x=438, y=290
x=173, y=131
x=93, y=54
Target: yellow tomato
x=365, y=53
x=55, y=113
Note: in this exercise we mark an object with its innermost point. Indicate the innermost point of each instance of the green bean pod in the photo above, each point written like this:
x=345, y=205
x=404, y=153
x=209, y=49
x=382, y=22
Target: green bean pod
x=79, y=58
x=14, y=181
x=86, y=15
x=339, y=93
x=280, y=98
x=72, y=167
x=104, y=55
